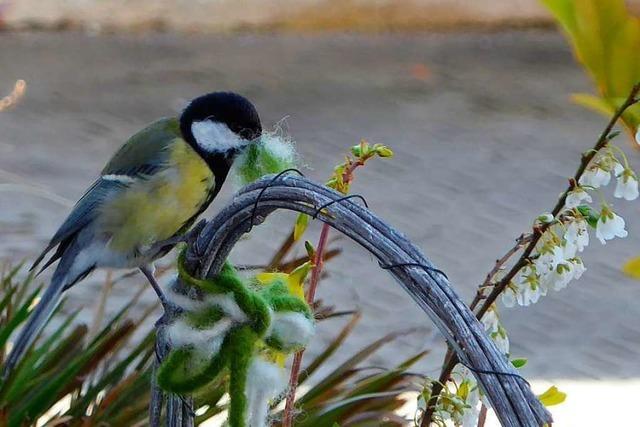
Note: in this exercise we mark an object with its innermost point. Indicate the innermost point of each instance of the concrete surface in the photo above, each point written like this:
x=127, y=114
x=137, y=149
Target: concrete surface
x=299, y=15
x=481, y=124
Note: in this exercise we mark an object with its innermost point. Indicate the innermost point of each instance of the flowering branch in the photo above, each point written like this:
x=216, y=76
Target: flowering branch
x=341, y=181
x=531, y=241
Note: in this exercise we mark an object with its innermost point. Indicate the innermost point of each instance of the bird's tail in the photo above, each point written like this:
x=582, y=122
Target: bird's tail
x=37, y=320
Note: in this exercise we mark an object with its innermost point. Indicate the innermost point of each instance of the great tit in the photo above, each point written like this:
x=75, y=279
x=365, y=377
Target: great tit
x=151, y=191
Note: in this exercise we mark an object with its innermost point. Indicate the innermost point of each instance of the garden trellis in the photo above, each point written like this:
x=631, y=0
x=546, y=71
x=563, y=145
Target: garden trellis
x=509, y=394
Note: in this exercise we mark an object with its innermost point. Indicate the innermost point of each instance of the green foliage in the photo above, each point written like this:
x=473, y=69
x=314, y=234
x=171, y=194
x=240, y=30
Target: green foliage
x=519, y=363
x=97, y=376
x=606, y=40
x=348, y=396
x=106, y=381
x=590, y=215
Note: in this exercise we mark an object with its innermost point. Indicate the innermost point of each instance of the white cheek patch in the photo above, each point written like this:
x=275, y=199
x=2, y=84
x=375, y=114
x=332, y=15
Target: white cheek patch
x=214, y=137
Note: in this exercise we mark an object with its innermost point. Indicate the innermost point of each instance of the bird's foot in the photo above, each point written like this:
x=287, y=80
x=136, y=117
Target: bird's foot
x=168, y=306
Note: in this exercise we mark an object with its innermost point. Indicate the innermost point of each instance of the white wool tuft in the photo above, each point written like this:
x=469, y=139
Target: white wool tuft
x=207, y=341
x=280, y=146
x=292, y=329
x=265, y=381
x=227, y=303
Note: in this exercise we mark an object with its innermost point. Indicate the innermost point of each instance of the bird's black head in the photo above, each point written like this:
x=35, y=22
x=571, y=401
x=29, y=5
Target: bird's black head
x=220, y=124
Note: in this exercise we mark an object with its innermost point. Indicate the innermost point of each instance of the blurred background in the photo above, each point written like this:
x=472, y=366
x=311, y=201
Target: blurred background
x=473, y=97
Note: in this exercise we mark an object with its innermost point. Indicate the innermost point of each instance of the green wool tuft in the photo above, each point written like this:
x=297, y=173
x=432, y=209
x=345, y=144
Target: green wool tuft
x=242, y=346
x=204, y=318
x=271, y=316
x=272, y=154
x=184, y=370
x=280, y=299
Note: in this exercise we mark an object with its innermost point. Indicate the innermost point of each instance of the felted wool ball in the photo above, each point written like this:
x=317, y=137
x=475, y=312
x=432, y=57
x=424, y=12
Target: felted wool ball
x=290, y=330
x=272, y=154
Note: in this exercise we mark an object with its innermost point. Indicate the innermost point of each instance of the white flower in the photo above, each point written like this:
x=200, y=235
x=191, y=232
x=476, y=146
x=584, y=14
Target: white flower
x=609, y=226
x=509, y=297
x=549, y=260
x=595, y=177
x=490, y=321
x=618, y=169
x=546, y=265
x=501, y=340
x=578, y=268
x=576, y=237
x=531, y=294
x=527, y=290
x=471, y=414
x=561, y=276
x=627, y=185
x=576, y=197
x=462, y=405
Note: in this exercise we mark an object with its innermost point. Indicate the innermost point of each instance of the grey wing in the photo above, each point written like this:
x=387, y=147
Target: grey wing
x=143, y=155
x=83, y=213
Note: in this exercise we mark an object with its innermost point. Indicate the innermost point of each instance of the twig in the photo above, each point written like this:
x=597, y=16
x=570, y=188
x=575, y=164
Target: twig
x=287, y=419
x=488, y=281
x=15, y=95
x=482, y=417
x=316, y=274
x=450, y=359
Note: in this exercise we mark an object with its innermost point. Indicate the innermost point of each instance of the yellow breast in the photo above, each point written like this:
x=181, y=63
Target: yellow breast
x=155, y=209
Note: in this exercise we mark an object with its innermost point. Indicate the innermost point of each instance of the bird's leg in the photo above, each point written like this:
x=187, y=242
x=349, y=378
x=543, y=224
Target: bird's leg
x=148, y=273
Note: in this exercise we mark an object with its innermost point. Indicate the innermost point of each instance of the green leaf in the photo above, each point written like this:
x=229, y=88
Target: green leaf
x=301, y=226
x=590, y=215
x=552, y=396
x=326, y=416
x=595, y=103
x=605, y=38
x=17, y=319
x=519, y=363
x=345, y=370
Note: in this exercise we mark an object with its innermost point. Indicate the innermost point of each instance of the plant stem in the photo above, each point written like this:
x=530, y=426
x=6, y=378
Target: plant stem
x=482, y=417
x=311, y=293
x=451, y=360
x=316, y=273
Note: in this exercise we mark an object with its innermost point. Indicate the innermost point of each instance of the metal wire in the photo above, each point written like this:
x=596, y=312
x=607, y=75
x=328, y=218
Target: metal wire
x=351, y=196
x=414, y=264
x=269, y=184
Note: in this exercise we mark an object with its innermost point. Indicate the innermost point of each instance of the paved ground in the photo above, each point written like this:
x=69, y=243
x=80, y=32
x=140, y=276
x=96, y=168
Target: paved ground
x=482, y=128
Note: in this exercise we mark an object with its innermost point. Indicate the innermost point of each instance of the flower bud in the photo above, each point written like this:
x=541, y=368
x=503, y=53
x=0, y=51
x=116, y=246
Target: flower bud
x=545, y=218
x=384, y=151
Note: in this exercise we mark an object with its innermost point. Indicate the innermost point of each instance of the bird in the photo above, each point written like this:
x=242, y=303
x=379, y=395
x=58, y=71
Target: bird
x=148, y=195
